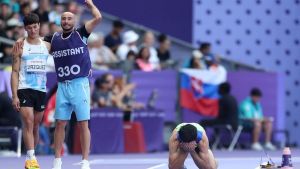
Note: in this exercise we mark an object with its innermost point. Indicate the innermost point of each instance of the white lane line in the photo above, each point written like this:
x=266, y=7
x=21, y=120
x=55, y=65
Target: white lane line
x=157, y=166
x=161, y=161
x=77, y=163
x=129, y=161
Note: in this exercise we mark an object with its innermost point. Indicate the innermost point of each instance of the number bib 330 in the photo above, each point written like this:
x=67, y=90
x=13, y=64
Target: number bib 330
x=67, y=71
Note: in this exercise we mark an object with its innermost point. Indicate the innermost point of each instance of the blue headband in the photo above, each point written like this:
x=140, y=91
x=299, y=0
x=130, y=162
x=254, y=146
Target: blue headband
x=199, y=137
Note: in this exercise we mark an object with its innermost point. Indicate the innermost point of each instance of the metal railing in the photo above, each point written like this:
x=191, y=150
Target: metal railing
x=6, y=40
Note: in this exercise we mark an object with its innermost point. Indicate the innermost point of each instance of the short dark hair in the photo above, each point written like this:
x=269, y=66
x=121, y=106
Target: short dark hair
x=187, y=133
x=224, y=88
x=25, y=5
x=204, y=45
x=118, y=24
x=161, y=38
x=139, y=56
x=131, y=52
x=101, y=80
x=256, y=92
x=30, y=19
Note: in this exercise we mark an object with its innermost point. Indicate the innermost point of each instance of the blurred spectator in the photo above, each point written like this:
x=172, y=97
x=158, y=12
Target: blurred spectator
x=163, y=51
x=198, y=55
x=111, y=92
x=13, y=32
x=55, y=15
x=143, y=60
x=14, y=29
x=43, y=10
x=129, y=64
x=102, y=94
x=131, y=55
x=25, y=9
x=252, y=118
x=5, y=12
x=228, y=109
x=195, y=63
x=15, y=6
x=205, y=48
x=113, y=39
x=129, y=44
x=101, y=56
x=148, y=41
x=53, y=28
x=208, y=57
x=7, y=55
x=209, y=61
x=8, y=116
x=73, y=7
x=188, y=62
x=44, y=29
x=122, y=93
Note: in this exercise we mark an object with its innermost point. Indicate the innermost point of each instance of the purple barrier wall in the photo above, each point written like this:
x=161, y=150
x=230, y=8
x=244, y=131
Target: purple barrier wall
x=107, y=132
x=271, y=85
x=5, y=82
x=153, y=123
x=171, y=17
x=164, y=83
x=2, y=82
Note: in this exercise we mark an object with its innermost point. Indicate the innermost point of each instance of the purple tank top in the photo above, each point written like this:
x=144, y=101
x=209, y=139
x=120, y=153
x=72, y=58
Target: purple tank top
x=71, y=56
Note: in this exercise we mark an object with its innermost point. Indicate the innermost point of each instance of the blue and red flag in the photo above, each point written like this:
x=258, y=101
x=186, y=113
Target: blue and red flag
x=199, y=90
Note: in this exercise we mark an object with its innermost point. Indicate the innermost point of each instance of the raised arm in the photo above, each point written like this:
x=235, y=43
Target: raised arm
x=176, y=155
x=204, y=159
x=17, y=51
x=97, y=17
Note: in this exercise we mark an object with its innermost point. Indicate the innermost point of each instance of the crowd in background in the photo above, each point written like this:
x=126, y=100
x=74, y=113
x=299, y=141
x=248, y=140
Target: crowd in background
x=119, y=49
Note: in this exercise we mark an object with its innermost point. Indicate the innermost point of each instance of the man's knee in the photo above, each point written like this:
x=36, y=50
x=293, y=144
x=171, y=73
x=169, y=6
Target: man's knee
x=257, y=124
x=60, y=124
x=83, y=125
x=28, y=123
x=36, y=128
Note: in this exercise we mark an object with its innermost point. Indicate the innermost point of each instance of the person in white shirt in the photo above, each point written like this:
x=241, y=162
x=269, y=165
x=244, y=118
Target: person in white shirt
x=129, y=44
x=101, y=56
x=148, y=41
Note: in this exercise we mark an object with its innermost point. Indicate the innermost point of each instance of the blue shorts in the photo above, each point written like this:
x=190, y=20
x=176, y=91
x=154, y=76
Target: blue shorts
x=73, y=95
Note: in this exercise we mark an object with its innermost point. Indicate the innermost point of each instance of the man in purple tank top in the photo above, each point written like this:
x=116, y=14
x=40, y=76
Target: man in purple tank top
x=73, y=66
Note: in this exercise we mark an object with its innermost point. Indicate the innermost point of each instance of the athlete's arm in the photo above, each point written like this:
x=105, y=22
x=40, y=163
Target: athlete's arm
x=97, y=17
x=176, y=155
x=17, y=51
x=48, y=45
x=18, y=45
x=204, y=159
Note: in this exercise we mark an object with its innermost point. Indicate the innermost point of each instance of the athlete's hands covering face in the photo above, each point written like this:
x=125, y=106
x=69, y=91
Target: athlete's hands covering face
x=188, y=147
